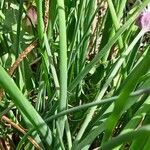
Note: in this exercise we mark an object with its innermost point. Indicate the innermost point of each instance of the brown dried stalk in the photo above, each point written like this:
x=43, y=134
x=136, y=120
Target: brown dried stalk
x=102, y=6
x=1, y=94
x=22, y=130
x=46, y=14
x=23, y=54
x=93, y=35
x=21, y=57
x=10, y=71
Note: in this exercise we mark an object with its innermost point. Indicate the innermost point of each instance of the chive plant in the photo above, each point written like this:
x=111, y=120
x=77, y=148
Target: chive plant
x=80, y=76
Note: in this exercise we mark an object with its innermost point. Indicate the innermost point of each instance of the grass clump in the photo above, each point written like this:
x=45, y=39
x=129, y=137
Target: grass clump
x=74, y=74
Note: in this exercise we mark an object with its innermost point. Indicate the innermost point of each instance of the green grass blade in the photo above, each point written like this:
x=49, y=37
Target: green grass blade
x=22, y=104
x=84, y=72
x=62, y=60
x=40, y=22
x=129, y=86
x=145, y=131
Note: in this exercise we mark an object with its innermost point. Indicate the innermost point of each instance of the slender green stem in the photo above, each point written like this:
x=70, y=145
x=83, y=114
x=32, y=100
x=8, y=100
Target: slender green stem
x=121, y=8
x=19, y=28
x=115, y=21
x=81, y=8
x=68, y=134
x=52, y=67
x=145, y=130
x=131, y=82
x=83, y=39
x=60, y=136
x=84, y=72
x=24, y=105
x=62, y=60
x=40, y=21
x=101, y=93
x=99, y=103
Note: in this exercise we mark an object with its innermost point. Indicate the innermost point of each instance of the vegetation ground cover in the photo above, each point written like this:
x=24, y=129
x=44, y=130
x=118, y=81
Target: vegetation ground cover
x=74, y=74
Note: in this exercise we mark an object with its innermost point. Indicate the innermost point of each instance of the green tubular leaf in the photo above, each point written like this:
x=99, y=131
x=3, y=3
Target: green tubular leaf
x=115, y=21
x=24, y=105
x=129, y=86
x=83, y=73
x=40, y=20
x=95, y=103
x=62, y=60
x=143, y=131
x=87, y=141
x=110, y=77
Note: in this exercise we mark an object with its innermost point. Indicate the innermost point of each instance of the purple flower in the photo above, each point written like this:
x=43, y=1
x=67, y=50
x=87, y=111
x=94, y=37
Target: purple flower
x=143, y=20
x=31, y=16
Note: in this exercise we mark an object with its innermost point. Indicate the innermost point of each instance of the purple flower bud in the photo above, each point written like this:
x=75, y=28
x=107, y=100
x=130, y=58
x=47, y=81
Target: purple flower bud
x=31, y=16
x=143, y=20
